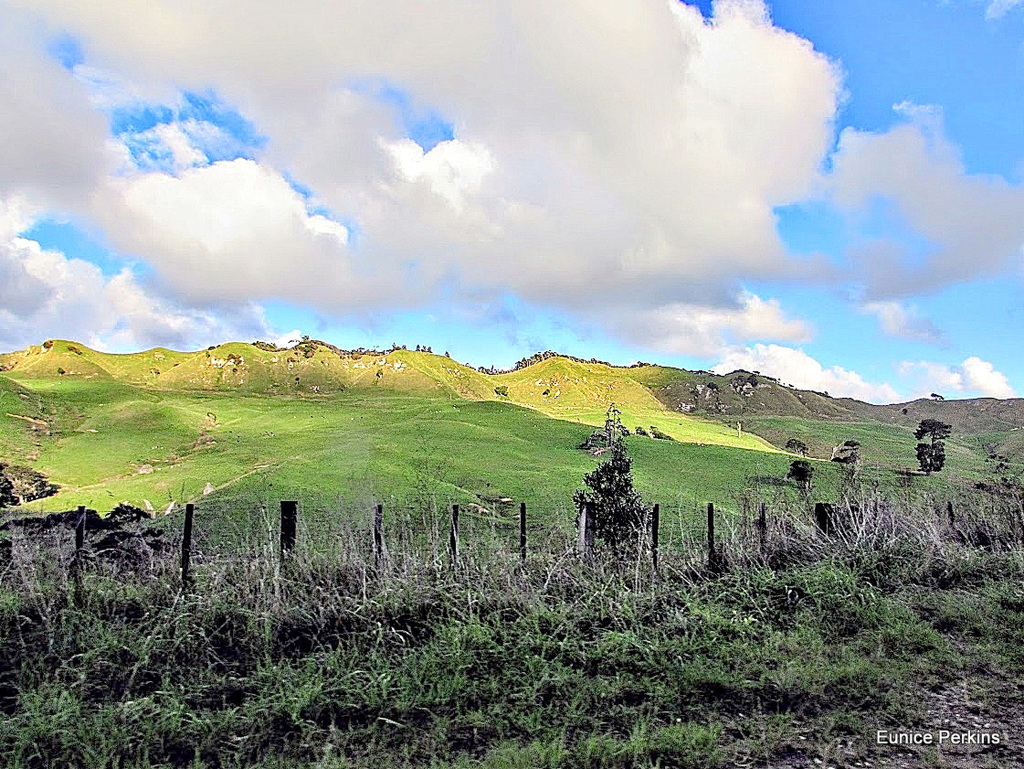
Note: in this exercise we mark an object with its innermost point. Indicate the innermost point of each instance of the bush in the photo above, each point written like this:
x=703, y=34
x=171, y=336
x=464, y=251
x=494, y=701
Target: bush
x=800, y=470
x=24, y=482
x=616, y=505
x=501, y=391
x=7, y=497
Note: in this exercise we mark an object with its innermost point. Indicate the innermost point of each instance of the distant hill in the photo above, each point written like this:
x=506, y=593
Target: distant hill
x=696, y=406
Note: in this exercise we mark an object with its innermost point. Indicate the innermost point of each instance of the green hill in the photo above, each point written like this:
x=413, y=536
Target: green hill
x=238, y=420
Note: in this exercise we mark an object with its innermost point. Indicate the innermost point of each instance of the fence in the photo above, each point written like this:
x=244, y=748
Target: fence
x=829, y=522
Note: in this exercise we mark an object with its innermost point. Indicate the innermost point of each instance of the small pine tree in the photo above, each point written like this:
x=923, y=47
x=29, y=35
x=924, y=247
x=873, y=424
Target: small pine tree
x=617, y=508
x=932, y=456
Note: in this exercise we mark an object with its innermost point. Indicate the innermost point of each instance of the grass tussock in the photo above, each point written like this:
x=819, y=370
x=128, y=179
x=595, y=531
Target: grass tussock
x=790, y=641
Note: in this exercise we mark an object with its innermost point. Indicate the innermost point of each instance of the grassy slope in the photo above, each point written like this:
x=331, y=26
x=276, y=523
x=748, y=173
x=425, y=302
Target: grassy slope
x=584, y=391
x=883, y=447
x=356, y=445
x=412, y=425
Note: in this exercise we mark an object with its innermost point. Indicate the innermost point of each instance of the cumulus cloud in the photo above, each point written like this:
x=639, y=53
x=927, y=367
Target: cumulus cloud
x=452, y=169
x=972, y=225
x=619, y=163
x=702, y=331
x=616, y=153
x=974, y=375
x=902, y=322
x=794, y=366
x=232, y=231
x=43, y=293
x=287, y=340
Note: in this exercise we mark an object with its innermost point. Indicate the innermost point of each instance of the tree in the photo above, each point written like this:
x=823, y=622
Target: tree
x=931, y=456
x=7, y=496
x=800, y=470
x=616, y=506
x=797, y=446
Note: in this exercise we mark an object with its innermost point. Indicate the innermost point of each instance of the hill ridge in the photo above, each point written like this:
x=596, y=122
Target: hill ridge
x=576, y=388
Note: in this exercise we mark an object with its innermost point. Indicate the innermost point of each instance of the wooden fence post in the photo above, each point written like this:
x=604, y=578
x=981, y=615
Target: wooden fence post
x=186, y=544
x=581, y=530
x=76, y=566
x=712, y=555
x=585, y=530
x=823, y=514
x=453, y=535
x=655, y=524
x=80, y=534
x=289, y=520
x=591, y=527
x=762, y=526
x=522, y=532
x=378, y=535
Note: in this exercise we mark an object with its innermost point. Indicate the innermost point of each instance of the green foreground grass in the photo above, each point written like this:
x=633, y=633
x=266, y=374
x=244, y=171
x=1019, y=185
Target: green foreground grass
x=800, y=649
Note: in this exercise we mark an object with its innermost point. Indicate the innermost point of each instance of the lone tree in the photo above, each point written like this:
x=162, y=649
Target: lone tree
x=797, y=446
x=616, y=505
x=932, y=456
x=800, y=470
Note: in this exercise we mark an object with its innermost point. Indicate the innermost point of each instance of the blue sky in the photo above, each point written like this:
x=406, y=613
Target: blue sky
x=832, y=193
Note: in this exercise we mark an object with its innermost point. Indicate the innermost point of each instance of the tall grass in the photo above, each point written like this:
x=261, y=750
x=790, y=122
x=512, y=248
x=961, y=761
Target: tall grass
x=327, y=660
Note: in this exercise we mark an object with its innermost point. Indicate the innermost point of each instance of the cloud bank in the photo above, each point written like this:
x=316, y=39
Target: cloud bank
x=612, y=158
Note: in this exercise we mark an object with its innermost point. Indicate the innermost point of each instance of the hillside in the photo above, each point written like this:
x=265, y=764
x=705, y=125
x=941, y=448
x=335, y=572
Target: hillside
x=169, y=424
x=558, y=387
x=692, y=406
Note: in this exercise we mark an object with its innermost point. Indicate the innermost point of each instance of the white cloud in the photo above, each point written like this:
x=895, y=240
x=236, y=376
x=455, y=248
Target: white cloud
x=165, y=146
x=972, y=225
x=797, y=368
x=628, y=154
x=287, y=340
x=982, y=376
x=702, y=331
x=452, y=169
x=904, y=322
x=973, y=376
x=44, y=294
x=999, y=8
x=233, y=231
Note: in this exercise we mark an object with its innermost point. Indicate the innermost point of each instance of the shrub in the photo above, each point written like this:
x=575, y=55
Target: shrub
x=800, y=470
x=616, y=505
x=797, y=446
x=501, y=391
x=656, y=433
x=25, y=482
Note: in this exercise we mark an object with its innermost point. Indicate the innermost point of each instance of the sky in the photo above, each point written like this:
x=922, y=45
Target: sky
x=828, y=193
